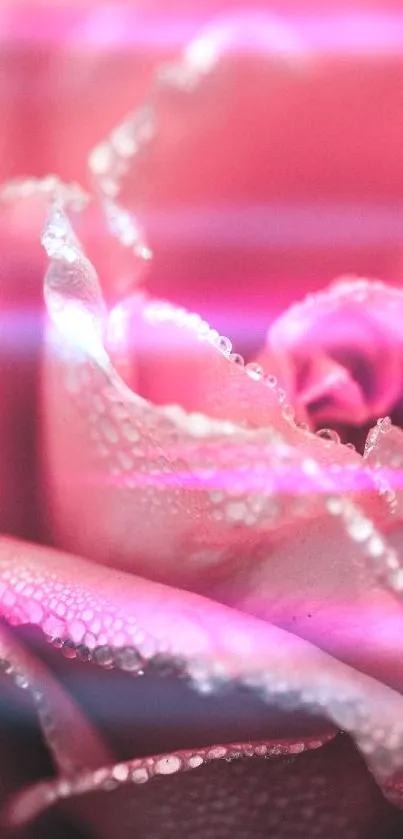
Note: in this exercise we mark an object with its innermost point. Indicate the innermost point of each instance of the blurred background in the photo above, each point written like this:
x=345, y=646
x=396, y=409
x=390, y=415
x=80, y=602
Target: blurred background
x=284, y=170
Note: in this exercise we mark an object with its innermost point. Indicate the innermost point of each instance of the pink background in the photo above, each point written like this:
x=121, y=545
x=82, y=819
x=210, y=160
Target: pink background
x=284, y=172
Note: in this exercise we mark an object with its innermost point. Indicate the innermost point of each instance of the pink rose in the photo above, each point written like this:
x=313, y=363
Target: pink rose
x=343, y=350
x=221, y=587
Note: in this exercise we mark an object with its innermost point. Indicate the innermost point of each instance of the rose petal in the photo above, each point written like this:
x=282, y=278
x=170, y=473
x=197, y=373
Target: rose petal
x=158, y=711
x=27, y=805
x=316, y=583
x=238, y=543
x=201, y=155
x=23, y=755
x=121, y=471
x=384, y=453
x=326, y=792
x=326, y=789
x=23, y=207
x=78, y=601
x=57, y=712
x=171, y=356
x=350, y=331
x=309, y=157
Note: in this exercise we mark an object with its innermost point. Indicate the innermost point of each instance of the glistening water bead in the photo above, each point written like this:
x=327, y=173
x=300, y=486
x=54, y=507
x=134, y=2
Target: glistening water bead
x=288, y=412
x=384, y=424
x=224, y=345
x=254, y=371
x=328, y=434
x=237, y=359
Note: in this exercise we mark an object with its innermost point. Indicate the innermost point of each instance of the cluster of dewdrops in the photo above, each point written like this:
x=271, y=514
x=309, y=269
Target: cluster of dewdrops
x=383, y=426
x=109, y=163
x=52, y=189
x=159, y=312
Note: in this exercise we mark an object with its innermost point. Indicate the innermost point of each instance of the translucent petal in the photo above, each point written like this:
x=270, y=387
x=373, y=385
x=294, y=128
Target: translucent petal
x=217, y=645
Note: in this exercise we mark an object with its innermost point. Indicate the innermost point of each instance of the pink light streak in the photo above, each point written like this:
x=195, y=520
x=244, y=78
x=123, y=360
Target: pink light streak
x=119, y=26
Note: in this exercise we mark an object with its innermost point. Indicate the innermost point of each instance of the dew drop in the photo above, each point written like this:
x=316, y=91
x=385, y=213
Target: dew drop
x=34, y=611
x=195, y=761
x=127, y=658
x=53, y=627
x=270, y=380
x=254, y=371
x=376, y=546
x=224, y=345
x=103, y=656
x=288, y=411
x=99, y=777
x=21, y=681
x=281, y=395
x=139, y=776
x=203, y=329
x=123, y=142
x=181, y=316
x=125, y=460
x=384, y=424
x=334, y=506
x=77, y=631
x=5, y=666
x=360, y=529
x=212, y=336
x=328, y=434
x=109, y=430
x=120, y=772
x=236, y=511
x=89, y=640
x=129, y=431
x=69, y=650
x=101, y=159
x=194, y=321
x=83, y=653
x=164, y=666
x=217, y=752
x=237, y=359
x=168, y=765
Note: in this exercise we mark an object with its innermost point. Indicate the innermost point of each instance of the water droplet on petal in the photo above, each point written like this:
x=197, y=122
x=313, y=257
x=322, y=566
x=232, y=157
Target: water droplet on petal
x=384, y=424
x=255, y=371
x=270, y=380
x=237, y=359
x=104, y=656
x=168, y=765
x=224, y=345
x=212, y=336
x=139, y=776
x=328, y=434
x=360, y=529
x=120, y=772
x=128, y=659
x=288, y=411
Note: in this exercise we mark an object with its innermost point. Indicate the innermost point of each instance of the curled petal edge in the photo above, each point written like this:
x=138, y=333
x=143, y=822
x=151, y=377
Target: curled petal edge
x=215, y=471
x=28, y=804
x=121, y=620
